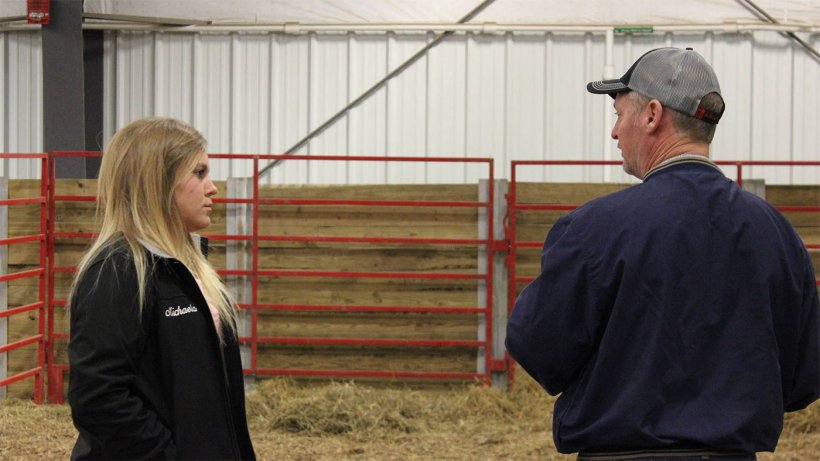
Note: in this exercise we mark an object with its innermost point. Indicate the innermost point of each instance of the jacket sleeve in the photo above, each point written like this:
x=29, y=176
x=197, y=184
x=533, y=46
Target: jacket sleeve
x=106, y=341
x=554, y=327
x=804, y=387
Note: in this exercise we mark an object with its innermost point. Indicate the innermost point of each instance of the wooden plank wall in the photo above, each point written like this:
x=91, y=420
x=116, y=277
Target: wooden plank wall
x=324, y=220
x=356, y=221
x=359, y=221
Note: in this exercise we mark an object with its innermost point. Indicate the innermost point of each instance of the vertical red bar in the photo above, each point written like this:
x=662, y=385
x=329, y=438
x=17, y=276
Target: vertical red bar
x=740, y=174
x=511, y=258
x=41, y=312
x=490, y=254
x=54, y=394
x=255, y=265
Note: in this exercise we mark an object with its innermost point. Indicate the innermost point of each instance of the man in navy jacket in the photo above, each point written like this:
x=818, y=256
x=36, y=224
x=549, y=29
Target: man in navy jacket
x=678, y=318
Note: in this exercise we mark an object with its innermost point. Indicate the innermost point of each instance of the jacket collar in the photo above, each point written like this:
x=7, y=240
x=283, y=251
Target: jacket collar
x=154, y=250
x=157, y=252
x=682, y=159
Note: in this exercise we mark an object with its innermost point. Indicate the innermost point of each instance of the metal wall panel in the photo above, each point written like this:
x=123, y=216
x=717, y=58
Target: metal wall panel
x=407, y=108
x=506, y=96
x=4, y=38
x=212, y=95
x=485, y=103
x=22, y=102
x=367, y=124
x=805, y=128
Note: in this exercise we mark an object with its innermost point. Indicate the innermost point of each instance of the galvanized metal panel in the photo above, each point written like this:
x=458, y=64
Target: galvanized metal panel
x=406, y=109
x=23, y=108
x=329, y=76
x=506, y=96
x=110, y=87
x=485, y=104
x=805, y=114
x=3, y=93
x=771, y=112
x=290, y=91
x=446, y=110
x=135, y=76
x=250, y=99
x=367, y=132
x=512, y=96
x=567, y=115
x=526, y=77
x=212, y=70
x=174, y=76
x=732, y=61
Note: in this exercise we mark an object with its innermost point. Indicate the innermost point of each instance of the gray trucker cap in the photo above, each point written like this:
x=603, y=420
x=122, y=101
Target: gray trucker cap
x=678, y=78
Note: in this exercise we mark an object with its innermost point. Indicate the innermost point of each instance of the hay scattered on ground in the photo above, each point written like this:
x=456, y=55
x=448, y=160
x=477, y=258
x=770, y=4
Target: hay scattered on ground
x=357, y=410
x=348, y=421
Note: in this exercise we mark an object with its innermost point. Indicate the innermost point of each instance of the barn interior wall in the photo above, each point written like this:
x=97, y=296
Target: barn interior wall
x=509, y=96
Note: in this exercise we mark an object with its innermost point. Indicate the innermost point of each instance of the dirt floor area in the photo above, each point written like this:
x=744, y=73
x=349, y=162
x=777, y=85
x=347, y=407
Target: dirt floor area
x=345, y=421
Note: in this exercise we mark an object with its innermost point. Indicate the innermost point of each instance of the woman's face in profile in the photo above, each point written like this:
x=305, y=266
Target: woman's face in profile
x=193, y=196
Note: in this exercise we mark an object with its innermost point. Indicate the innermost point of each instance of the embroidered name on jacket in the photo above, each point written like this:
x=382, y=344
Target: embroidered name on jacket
x=175, y=312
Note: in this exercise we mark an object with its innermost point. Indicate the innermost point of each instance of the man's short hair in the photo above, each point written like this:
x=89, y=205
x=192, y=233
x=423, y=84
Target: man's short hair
x=686, y=126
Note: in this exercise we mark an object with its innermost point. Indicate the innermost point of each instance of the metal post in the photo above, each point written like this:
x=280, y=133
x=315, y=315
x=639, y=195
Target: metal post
x=755, y=186
x=63, y=88
x=500, y=284
x=239, y=221
x=500, y=278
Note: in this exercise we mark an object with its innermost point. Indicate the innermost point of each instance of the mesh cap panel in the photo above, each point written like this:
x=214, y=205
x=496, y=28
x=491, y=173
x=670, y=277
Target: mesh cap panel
x=678, y=78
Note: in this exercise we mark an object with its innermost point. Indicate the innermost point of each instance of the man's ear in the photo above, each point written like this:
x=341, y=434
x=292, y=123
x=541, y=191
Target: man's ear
x=653, y=113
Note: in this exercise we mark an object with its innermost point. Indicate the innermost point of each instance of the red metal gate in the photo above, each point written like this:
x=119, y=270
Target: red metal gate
x=47, y=303
x=38, y=306
x=255, y=273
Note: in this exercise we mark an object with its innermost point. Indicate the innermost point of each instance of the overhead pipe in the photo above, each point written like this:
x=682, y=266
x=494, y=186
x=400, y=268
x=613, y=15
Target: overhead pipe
x=485, y=28
x=788, y=34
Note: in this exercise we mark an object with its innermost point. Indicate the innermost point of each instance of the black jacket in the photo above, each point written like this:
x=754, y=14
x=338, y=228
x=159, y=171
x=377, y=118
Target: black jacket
x=158, y=386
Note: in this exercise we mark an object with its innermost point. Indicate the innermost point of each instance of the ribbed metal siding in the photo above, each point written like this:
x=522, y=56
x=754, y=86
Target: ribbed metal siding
x=22, y=96
x=506, y=96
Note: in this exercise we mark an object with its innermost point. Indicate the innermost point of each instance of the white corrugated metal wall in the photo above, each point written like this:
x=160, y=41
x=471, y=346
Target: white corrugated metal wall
x=512, y=96
x=22, y=117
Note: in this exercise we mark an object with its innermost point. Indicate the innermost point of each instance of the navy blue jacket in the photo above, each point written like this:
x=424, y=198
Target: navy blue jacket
x=159, y=386
x=681, y=313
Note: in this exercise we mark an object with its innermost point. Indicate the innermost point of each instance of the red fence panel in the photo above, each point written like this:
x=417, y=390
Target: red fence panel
x=37, y=305
x=256, y=273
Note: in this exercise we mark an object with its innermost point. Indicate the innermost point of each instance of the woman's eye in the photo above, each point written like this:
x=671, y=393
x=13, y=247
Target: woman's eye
x=200, y=173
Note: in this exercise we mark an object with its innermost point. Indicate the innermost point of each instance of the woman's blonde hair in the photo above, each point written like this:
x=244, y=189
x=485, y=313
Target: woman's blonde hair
x=141, y=167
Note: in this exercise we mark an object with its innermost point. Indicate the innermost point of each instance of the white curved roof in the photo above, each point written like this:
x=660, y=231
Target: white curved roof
x=582, y=12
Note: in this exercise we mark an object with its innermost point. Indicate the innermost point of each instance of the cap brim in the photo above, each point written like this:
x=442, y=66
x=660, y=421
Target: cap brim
x=609, y=87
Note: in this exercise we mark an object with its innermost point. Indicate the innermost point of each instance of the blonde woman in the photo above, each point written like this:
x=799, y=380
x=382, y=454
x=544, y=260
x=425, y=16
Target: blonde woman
x=155, y=367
